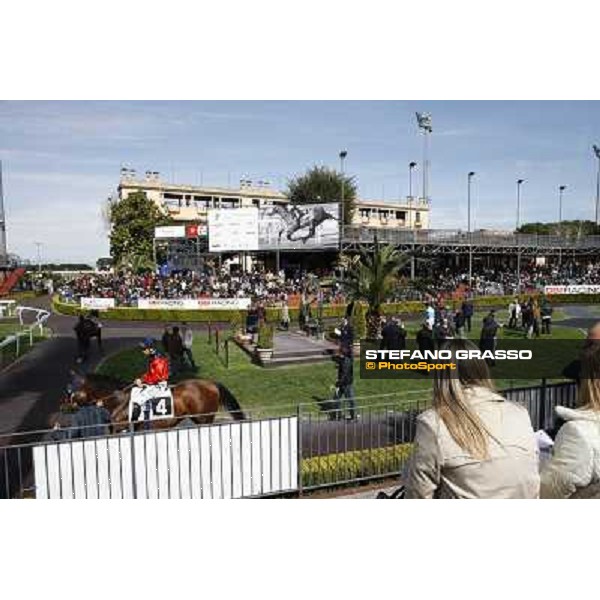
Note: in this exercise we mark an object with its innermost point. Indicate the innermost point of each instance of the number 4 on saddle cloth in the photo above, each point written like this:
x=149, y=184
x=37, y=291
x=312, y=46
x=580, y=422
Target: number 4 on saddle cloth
x=151, y=402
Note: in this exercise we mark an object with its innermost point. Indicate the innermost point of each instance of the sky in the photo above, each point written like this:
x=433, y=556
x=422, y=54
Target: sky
x=61, y=160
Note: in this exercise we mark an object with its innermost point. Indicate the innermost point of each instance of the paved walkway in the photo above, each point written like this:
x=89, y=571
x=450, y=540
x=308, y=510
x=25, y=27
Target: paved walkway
x=31, y=388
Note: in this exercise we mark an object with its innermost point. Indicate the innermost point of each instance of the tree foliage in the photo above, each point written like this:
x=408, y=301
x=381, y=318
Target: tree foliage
x=373, y=277
x=572, y=229
x=133, y=220
x=321, y=184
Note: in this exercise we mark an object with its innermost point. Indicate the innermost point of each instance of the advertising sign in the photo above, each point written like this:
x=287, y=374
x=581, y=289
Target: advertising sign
x=233, y=229
x=97, y=303
x=299, y=227
x=572, y=289
x=194, y=303
x=277, y=227
x=169, y=232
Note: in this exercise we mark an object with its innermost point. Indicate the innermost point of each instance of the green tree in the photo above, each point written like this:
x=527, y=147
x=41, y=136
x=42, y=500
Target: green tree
x=571, y=229
x=321, y=184
x=373, y=277
x=132, y=221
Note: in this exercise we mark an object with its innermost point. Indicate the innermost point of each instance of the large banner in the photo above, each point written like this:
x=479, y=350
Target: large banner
x=299, y=227
x=572, y=289
x=194, y=303
x=277, y=227
x=232, y=229
x=169, y=232
x=97, y=303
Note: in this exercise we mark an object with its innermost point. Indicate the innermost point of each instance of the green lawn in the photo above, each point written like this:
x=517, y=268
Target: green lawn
x=278, y=390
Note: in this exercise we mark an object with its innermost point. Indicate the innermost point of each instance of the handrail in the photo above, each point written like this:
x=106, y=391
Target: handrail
x=41, y=316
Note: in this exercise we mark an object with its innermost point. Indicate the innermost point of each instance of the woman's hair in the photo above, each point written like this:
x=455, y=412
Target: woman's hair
x=463, y=423
x=589, y=385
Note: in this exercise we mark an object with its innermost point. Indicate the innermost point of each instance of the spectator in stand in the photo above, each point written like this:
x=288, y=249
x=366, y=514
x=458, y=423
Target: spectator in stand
x=467, y=311
x=473, y=443
x=188, y=342
x=574, y=469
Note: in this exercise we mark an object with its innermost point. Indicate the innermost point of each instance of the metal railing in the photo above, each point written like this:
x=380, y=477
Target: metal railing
x=12, y=346
x=300, y=450
x=463, y=238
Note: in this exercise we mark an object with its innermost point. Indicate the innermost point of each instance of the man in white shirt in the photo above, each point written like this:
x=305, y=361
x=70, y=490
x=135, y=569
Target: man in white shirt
x=188, y=341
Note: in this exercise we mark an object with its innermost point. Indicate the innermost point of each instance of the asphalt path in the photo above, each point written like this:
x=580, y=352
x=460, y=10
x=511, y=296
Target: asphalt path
x=31, y=388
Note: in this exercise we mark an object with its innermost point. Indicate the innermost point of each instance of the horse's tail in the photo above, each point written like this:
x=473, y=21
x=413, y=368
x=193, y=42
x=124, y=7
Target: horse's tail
x=229, y=401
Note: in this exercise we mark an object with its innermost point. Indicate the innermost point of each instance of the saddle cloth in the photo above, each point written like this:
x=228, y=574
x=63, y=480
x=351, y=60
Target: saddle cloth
x=151, y=402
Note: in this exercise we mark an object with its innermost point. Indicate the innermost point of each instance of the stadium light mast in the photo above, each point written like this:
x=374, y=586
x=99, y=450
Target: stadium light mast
x=519, y=184
x=3, y=247
x=342, y=155
x=561, y=189
x=597, y=153
x=469, y=178
x=424, y=123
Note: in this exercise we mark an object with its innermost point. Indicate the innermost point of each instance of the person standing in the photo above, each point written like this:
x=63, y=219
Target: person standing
x=285, y=314
x=487, y=340
x=188, y=342
x=166, y=338
x=176, y=351
x=467, y=311
x=425, y=338
x=459, y=324
x=344, y=384
x=83, y=339
x=546, y=314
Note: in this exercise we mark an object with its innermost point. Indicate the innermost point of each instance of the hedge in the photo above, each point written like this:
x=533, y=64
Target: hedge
x=334, y=468
x=336, y=311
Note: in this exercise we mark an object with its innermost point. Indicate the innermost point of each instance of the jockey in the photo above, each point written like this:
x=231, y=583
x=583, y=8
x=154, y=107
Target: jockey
x=151, y=383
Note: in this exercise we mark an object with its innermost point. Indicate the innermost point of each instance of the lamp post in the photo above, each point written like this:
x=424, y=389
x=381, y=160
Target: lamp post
x=597, y=153
x=39, y=256
x=411, y=166
x=469, y=178
x=343, y=155
x=424, y=123
x=519, y=184
x=561, y=189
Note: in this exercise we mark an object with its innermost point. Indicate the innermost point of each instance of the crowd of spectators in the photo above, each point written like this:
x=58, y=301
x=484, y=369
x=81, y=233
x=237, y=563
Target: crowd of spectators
x=270, y=288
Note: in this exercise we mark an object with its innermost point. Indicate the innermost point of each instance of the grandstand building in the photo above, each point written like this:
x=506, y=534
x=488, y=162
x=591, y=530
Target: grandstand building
x=189, y=203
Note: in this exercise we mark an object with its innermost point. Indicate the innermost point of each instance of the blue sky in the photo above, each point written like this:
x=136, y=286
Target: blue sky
x=62, y=159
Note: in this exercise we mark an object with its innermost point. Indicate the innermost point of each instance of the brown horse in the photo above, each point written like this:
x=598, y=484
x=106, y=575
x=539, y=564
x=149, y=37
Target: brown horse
x=197, y=399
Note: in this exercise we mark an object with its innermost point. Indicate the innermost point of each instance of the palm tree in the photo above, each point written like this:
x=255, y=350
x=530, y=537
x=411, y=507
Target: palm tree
x=373, y=277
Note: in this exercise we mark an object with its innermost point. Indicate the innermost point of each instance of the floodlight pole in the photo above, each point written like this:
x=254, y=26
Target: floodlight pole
x=561, y=189
x=597, y=153
x=342, y=155
x=469, y=177
x=519, y=183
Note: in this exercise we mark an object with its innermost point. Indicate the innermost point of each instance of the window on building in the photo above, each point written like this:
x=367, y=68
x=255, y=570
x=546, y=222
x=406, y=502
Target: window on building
x=417, y=217
x=401, y=215
x=255, y=202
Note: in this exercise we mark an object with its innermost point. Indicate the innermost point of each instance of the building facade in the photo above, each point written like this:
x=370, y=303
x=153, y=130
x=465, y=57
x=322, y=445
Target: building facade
x=190, y=204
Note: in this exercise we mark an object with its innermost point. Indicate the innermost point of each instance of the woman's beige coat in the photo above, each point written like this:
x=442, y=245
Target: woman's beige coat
x=439, y=468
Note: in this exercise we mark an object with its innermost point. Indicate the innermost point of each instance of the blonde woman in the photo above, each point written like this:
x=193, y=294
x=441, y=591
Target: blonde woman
x=574, y=469
x=472, y=443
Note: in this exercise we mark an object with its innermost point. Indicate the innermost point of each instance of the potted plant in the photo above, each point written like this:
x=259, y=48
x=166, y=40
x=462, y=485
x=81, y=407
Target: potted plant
x=264, y=345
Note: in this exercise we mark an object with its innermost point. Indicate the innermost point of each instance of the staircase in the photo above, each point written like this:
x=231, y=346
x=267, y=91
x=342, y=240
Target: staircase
x=9, y=279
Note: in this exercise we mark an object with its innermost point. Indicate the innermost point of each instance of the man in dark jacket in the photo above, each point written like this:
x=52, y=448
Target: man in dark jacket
x=344, y=384
x=489, y=330
x=467, y=311
x=176, y=351
x=425, y=338
x=346, y=335
x=393, y=337
x=546, y=314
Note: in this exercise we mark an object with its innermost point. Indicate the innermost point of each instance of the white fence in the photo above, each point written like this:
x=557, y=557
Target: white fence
x=40, y=316
x=228, y=460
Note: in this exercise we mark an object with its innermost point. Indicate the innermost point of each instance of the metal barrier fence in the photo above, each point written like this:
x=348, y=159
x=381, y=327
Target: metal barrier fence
x=255, y=458
x=13, y=342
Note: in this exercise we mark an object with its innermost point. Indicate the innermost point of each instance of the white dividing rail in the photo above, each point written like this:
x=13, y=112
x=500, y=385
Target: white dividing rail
x=40, y=316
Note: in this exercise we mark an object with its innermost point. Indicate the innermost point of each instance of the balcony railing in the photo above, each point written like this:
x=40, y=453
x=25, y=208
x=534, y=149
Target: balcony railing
x=463, y=238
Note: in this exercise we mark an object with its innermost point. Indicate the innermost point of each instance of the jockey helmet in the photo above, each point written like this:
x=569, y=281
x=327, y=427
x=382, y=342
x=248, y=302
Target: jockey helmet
x=147, y=344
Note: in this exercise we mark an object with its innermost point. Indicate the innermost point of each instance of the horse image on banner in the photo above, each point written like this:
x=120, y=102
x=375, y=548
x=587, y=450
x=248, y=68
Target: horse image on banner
x=294, y=226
